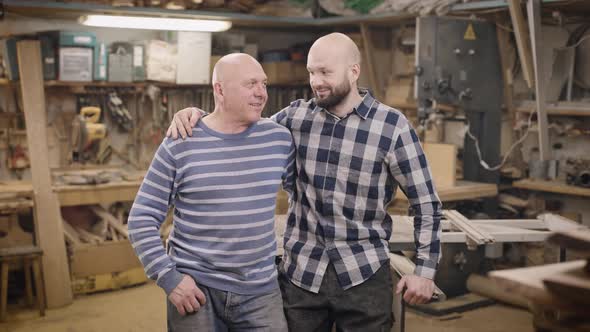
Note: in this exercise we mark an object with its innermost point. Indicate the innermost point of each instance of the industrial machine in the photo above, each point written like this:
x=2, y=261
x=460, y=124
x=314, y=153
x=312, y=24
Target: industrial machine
x=457, y=64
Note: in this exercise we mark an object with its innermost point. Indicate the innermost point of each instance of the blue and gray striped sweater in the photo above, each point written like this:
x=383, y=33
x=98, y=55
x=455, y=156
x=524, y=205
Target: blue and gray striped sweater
x=223, y=188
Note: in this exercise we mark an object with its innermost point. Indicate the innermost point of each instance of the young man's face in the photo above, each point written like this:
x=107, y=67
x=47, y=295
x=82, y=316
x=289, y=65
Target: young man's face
x=328, y=78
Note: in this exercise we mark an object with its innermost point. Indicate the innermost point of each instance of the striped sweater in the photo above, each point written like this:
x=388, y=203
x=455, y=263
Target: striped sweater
x=223, y=188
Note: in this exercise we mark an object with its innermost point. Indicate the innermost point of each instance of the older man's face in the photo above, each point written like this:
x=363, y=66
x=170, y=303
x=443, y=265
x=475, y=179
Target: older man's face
x=245, y=94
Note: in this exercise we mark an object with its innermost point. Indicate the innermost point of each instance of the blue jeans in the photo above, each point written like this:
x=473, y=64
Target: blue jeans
x=226, y=311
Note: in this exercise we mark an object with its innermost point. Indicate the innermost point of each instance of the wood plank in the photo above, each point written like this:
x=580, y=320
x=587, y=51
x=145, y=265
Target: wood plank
x=513, y=200
x=463, y=190
x=16, y=204
x=528, y=282
x=48, y=224
x=443, y=163
x=573, y=285
x=110, y=219
x=534, y=224
x=578, y=241
x=522, y=41
x=534, y=18
x=551, y=186
x=483, y=286
x=95, y=194
x=368, y=56
x=476, y=234
x=88, y=237
x=556, y=223
x=503, y=37
x=565, y=108
x=71, y=235
x=12, y=189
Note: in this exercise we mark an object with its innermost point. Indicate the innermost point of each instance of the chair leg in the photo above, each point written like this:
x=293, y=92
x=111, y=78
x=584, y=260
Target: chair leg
x=39, y=285
x=4, y=289
x=28, y=281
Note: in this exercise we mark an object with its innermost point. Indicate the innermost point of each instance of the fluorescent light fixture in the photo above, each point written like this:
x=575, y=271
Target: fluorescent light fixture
x=154, y=23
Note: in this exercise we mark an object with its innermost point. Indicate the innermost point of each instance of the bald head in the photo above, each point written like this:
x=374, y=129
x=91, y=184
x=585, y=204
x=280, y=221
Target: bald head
x=337, y=45
x=232, y=66
x=239, y=88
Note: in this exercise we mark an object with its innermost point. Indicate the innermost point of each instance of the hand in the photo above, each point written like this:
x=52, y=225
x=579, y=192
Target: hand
x=183, y=122
x=187, y=297
x=419, y=290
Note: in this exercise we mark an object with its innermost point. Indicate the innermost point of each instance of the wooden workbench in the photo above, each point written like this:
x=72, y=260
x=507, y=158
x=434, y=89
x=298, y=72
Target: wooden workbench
x=552, y=187
x=402, y=237
x=70, y=195
x=463, y=190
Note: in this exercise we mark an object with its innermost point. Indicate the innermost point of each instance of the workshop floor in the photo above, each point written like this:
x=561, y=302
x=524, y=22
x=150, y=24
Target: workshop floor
x=142, y=309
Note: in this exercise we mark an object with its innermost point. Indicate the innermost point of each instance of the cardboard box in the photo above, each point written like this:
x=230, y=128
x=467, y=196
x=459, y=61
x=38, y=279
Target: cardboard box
x=300, y=73
x=286, y=72
x=103, y=258
x=75, y=64
x=194, y=54
x=120, y=62
x=161, y=61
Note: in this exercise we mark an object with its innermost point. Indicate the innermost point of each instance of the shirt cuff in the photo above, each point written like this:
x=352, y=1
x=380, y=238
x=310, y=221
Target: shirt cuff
x=170, y=280
x=425, y=269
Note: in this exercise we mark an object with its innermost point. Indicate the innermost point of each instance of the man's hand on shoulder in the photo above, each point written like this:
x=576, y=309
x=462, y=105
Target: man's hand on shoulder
x=183, y=122
x=187, y=297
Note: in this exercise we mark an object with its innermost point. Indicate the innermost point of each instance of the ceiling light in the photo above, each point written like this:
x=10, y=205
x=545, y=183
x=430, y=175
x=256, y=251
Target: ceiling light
x=154, y=23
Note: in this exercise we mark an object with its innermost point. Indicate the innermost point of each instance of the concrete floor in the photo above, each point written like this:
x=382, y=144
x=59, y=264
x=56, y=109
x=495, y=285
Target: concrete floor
x=142, y=309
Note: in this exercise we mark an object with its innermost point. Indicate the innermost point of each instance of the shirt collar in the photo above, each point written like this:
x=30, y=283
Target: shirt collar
x=362, y=109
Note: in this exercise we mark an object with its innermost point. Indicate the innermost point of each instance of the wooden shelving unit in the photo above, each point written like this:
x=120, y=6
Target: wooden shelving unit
x=552, y=187
x=564, y=108
x=102, y=84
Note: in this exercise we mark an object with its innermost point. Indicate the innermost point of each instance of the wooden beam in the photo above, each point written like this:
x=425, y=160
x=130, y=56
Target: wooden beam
x=110, y=219
x=534, y=13
x=503, y=37
x=476, y=234
x=557, y=223
x=528, y=283
x=552, y=187
x=369, y=52
x=70, y=234
x=48, y=223
x=522, y=42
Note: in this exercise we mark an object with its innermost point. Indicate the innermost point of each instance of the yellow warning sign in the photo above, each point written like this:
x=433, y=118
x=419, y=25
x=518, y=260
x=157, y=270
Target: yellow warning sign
x=469, y=33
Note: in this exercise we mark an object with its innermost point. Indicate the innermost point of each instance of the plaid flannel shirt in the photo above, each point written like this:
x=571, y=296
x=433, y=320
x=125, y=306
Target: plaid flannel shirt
x=348, y=171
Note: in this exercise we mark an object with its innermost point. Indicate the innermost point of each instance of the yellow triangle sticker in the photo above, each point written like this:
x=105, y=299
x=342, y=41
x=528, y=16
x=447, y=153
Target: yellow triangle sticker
x=469, y=33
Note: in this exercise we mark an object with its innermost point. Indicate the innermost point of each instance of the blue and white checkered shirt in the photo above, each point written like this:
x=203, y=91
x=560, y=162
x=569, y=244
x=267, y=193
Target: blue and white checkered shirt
x=348, y=171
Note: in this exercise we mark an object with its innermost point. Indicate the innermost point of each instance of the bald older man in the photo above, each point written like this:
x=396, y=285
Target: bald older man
x=219, y=272
x=353, y=152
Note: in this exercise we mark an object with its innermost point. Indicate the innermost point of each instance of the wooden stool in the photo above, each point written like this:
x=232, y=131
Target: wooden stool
x=30, y=256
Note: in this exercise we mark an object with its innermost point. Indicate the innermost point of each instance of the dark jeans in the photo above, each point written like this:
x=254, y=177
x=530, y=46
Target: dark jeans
x=366, y=307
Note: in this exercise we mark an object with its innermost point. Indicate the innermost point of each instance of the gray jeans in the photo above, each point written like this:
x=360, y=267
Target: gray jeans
x=226, y=311
x=365, y=307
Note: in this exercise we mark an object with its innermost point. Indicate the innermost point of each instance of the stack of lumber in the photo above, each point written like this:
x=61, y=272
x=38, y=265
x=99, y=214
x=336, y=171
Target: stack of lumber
x=106, y=228
x=562, y=289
